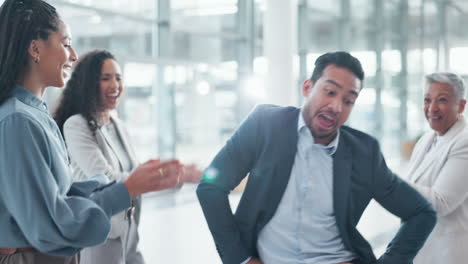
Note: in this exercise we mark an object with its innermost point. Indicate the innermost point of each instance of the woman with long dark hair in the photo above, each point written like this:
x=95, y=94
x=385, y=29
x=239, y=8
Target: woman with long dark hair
x=44, y=217
x=82, y=93
x=98, y=142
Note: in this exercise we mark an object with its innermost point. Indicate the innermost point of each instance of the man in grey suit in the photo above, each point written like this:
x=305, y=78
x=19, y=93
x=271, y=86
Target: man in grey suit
x=310, y=179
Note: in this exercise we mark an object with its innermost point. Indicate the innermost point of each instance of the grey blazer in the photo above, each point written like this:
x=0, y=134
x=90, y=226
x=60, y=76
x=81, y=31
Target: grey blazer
x=91, y=154
x=264, y=147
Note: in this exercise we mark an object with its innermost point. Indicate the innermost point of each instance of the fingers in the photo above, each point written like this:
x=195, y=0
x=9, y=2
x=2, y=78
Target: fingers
x=169, y=169
x=168, y=181
x=167, y=174
x=191, y=174
x=152, y=162
x=157, y=163
x=165, y=164
x=153, y=175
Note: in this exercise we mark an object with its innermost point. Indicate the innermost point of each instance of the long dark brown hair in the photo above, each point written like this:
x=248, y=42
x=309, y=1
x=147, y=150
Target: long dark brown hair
x=81, y=94
x=21, y=21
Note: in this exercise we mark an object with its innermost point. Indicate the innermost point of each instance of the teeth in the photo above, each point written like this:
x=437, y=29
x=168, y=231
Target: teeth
x=331, y=118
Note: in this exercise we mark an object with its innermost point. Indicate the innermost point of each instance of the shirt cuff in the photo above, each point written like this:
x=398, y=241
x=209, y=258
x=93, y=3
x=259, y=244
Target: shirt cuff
x=247, y=260
x=120, y=200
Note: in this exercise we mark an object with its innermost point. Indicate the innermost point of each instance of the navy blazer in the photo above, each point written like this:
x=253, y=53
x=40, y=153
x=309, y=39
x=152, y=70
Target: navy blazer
x=264, y=146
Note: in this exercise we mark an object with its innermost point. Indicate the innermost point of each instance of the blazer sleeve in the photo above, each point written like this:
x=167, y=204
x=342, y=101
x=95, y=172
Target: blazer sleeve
x=450, y=189
x=85, y=151
x=399, y=198
x=226, y=171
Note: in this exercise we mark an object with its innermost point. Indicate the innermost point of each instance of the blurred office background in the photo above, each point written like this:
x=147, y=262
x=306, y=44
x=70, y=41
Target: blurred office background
x=193, y=69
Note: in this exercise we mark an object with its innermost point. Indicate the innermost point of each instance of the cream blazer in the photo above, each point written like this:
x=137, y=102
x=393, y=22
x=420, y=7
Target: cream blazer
x=441, y=176
x=95, y=154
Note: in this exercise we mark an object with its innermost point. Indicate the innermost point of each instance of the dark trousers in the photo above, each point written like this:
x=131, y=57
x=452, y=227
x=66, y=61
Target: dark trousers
x=35, y=257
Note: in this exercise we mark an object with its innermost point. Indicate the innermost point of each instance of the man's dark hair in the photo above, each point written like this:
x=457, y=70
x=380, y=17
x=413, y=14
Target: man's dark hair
x=21, y=21
x=339, y=58
x=81, y=94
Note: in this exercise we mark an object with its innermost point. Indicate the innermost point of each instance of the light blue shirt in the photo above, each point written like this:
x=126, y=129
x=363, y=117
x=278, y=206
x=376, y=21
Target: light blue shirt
x=39, y=205
x=303, y=229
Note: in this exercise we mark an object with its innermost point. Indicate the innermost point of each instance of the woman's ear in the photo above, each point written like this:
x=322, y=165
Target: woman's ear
x=461, y=106
x=34, y=50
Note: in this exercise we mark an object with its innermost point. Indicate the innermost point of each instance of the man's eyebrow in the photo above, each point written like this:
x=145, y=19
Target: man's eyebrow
x=334, y=83
x=341, y=87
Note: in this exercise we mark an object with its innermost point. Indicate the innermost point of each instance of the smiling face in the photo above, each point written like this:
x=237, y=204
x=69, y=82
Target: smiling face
x=110, y=85
x=329, y=102
x=442, y=106
x=55, y=57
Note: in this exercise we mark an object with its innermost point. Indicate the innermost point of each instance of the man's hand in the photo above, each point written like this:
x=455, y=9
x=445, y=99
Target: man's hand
x=255, y=261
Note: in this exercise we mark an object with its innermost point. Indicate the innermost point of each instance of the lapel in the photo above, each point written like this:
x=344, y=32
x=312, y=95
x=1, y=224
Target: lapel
x=420, y=160
x=125, y=141
x=110, y=143
x=425, y=160
x=342, y=167
x=285, y=159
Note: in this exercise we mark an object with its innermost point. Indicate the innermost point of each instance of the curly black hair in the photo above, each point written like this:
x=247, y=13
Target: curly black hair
x=81, y=94
x=21, y=21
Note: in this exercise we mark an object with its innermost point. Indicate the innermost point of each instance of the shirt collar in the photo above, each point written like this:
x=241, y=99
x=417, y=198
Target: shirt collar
x=27, y=97
x=452, y=131
x=302, y=128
